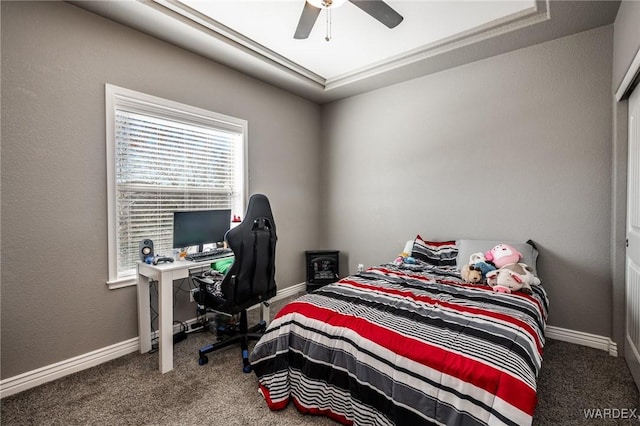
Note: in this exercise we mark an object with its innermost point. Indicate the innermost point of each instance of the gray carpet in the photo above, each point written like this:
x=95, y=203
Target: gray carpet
x=131, y=391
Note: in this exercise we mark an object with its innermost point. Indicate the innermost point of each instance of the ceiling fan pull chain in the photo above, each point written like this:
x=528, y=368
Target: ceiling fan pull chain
x=328, y=36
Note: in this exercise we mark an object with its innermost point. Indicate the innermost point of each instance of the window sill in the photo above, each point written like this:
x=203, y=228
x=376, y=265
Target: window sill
x=122, y=282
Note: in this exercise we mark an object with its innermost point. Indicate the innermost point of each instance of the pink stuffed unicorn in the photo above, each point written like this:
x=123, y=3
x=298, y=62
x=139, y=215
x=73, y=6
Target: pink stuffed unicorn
x=503, y=254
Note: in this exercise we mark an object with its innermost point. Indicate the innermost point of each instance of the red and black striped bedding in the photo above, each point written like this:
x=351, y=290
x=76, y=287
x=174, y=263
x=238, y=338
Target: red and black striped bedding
x=406, y=347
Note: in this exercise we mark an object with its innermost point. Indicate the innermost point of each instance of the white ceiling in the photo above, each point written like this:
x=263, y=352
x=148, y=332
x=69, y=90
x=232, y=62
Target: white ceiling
x=256, y=36
x=358, y=40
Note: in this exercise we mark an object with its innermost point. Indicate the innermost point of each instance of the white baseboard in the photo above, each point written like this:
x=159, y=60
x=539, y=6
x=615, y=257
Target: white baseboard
x=48, y=373
x=580, y=338
x=290, y=291
x=55, y=371
x=60, y=369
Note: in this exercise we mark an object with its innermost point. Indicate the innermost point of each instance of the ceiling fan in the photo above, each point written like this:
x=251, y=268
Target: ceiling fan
x=377, y=9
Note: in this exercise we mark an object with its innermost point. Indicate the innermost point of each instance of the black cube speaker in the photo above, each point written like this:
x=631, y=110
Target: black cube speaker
x=145, y=249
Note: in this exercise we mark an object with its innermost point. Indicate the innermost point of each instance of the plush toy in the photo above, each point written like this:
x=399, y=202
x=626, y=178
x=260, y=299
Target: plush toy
x=477, y=257
x=512, y=277
x=485, y=268
x=503, y=254
x=470, y=274
x=478, y=262
x=404, y=258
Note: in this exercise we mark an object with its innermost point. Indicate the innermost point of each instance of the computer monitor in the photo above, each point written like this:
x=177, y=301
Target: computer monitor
x=200, y=227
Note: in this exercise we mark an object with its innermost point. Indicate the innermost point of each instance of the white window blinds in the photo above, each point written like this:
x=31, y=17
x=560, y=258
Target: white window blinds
x=168, y=157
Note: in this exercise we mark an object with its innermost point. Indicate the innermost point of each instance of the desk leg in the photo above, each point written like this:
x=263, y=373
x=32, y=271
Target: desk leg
x=165, y=321
x=264, y=313
x=144, y=314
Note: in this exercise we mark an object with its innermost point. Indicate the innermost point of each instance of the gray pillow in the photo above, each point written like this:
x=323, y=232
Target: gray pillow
x=467, y=247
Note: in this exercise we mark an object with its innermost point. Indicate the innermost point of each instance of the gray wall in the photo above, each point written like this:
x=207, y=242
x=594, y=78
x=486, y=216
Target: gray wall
x=56, y=59
x=513, y=147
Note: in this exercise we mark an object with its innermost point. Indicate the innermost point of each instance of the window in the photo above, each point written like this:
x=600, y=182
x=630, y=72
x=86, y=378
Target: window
x=164, y=156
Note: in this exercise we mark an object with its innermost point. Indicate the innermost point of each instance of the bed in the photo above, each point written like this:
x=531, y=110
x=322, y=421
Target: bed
x=407, y=344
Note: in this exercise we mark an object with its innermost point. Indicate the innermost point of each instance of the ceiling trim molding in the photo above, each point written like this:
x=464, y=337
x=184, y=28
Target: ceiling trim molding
x=165, y=24
x=233, y=37
x=525, y=18
x=516, y=21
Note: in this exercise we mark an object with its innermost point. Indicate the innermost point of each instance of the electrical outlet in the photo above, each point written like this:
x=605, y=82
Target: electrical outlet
x=360, y=267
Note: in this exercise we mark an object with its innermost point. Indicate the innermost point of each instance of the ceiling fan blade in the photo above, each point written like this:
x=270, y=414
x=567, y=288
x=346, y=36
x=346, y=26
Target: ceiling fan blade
x=307, y=20
x=379, y=10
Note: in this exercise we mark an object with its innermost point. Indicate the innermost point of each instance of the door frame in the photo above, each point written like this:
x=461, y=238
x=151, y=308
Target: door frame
x=619, y=201
x=631, y=350
x=632, y=74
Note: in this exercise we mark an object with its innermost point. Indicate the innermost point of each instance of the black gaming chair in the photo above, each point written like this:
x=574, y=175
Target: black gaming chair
x=249, y=281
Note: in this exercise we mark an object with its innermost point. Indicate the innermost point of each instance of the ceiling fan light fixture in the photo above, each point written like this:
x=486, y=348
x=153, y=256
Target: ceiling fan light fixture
x=377, y=9
x=325, y=4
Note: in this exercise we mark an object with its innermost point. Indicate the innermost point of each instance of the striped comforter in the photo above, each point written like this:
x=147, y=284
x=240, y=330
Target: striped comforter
x=397, y=346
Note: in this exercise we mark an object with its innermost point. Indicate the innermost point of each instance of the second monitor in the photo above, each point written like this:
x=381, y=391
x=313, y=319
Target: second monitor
x=200, y=227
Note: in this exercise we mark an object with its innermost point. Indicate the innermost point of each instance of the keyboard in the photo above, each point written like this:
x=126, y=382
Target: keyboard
x=209, y=255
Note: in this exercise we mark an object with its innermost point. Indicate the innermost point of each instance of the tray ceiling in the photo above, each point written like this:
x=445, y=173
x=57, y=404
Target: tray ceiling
x=256, y=36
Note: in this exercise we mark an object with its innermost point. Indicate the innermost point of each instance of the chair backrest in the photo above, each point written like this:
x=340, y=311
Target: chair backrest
x=251, y=277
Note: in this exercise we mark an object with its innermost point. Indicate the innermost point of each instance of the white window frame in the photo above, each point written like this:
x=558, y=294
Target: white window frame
x=118, y=97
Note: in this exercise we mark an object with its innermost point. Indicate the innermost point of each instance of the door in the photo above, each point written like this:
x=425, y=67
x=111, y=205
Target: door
x=632, y=275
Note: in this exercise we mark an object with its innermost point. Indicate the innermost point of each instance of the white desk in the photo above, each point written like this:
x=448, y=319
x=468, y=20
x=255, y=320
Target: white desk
x=165, y=274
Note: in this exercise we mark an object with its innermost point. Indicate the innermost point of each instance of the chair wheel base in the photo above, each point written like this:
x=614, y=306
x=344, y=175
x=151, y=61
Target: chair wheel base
x=203, y=360
x=246, y=369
